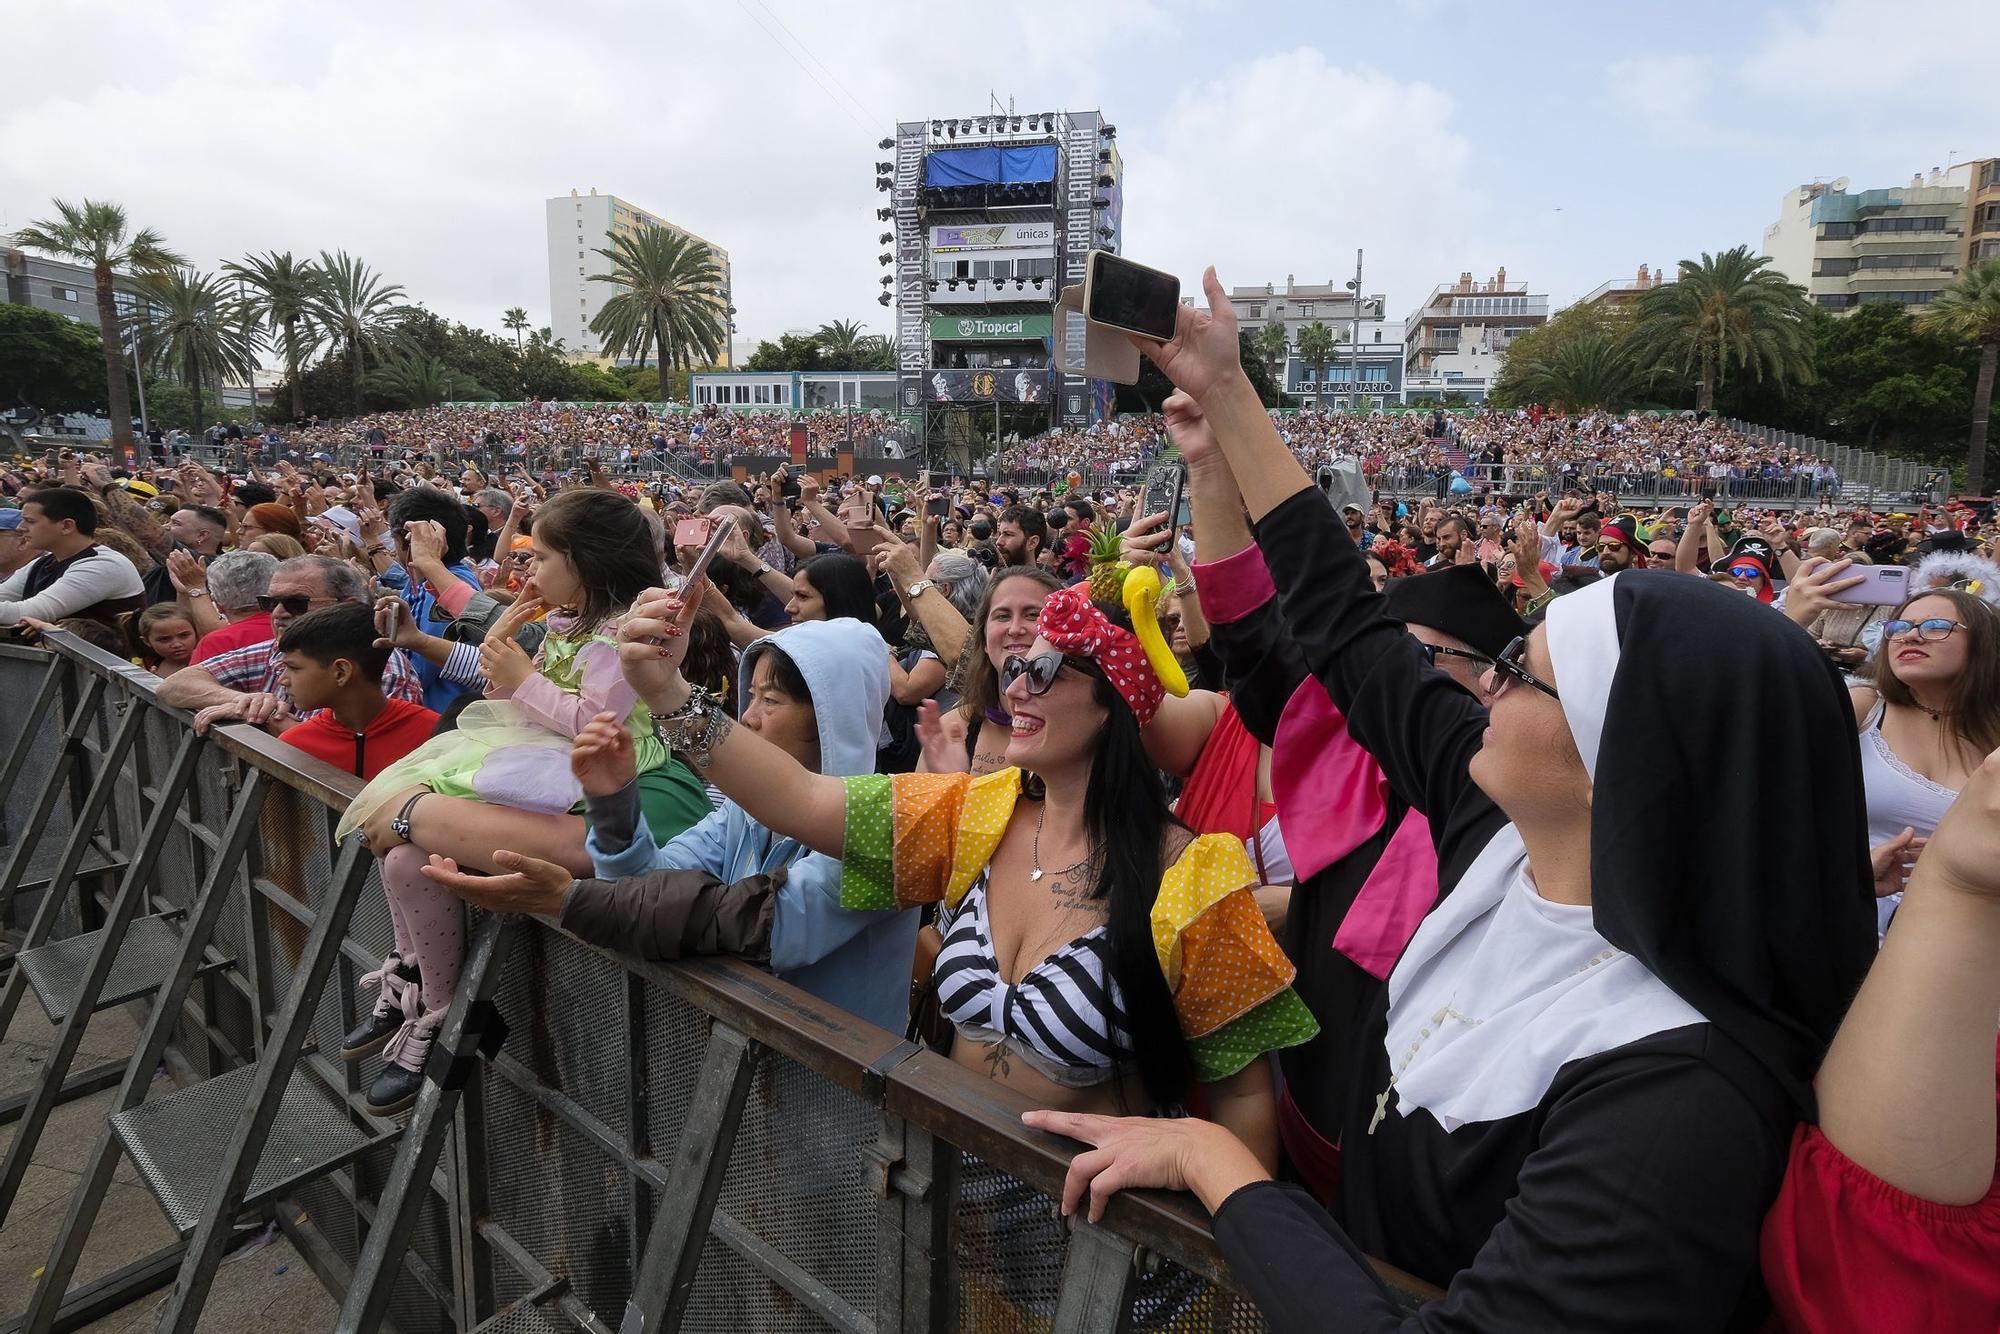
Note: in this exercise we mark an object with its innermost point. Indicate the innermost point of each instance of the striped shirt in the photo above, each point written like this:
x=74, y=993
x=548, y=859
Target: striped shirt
x=1064, y=1010
x=257, y=669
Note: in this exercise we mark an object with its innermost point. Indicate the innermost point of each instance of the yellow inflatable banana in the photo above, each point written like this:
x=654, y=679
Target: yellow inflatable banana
x=1142, y=599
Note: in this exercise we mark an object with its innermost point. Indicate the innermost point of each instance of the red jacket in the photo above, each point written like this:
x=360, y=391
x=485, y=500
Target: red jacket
x=397, y=730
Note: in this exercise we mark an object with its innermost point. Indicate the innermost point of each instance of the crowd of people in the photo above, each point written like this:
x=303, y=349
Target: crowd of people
x=1588, y=909
x=544, y=436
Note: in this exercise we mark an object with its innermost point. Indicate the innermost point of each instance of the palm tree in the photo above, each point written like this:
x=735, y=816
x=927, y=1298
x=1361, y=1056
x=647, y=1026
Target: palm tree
x=93, y=233
x=1592, y=370
x=515, y=319
x=840, y=342
x=1970, y=309
x=422, y=381
x=669, y=303
x=1724, y=311
x=195, y=329
x=285, y=289
x=357, y=310
x=1273, y=343
x=1316, y=348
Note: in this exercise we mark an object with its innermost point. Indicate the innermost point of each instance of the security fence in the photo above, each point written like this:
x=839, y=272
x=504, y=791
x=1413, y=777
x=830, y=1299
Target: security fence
x=602, y=1143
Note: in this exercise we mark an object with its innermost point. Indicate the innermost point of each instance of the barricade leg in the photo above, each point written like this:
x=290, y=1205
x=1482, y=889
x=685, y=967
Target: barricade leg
x=919, y=1187
x=470, y=1025
x=78, y=1007
x=95, y=1179
x=1097, y=1281
x=268, y=1089
x=64, y=878
x=52, y=786
x=665, y=1281
x=38, y=708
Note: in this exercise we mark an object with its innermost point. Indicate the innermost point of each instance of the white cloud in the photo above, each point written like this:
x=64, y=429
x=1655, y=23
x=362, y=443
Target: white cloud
x=1667, y=94
x=1284, y=164
x=425, y=137
x=1857, y=52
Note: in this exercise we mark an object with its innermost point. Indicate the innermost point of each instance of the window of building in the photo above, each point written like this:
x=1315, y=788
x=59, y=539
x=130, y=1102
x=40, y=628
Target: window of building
x=1378, y=335
x=1832, y=268
x=1988, y=250
x=63, y=293
x=1900, y=298
x=1989, y=216
x=1306, y=374
x=1903, y=262
x=1897, y=222
x=1305, y=310
x=1256, y=312
x=1375, y=374
x=1836, y=231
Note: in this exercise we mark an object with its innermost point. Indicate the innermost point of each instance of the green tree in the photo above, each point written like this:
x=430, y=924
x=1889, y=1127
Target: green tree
x=195, y=329
x=358, y=311
x=93, y=233
x=169, y=405
x=49, y=362
x=1273, y=345
x=474, y=354
x=840, y=342
x=1316, y=348
x=419, y=380
x=1593, y=371
x=1542, y=345
x=792, y=352
x=1970, y=310
x=516, y=321
x=285, y=289
x=669, y=303
x=1724, y=312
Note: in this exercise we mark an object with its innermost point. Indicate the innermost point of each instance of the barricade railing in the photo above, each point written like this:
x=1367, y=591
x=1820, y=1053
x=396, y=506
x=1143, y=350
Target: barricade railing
x=694, y=1146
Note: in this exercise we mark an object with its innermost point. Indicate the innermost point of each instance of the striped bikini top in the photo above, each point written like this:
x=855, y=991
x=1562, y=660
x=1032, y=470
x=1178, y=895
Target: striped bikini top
x=1064, y=1012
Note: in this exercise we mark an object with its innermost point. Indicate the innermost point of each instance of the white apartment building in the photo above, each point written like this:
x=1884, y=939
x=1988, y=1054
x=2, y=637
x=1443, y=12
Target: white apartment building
x=1457, y=340
x=579, y=225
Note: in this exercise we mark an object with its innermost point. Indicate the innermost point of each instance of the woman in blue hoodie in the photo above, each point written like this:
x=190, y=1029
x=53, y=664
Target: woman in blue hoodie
x=729, y=885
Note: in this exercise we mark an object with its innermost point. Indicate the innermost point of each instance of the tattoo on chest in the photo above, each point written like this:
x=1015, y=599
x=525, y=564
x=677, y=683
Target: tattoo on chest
x=989, y=761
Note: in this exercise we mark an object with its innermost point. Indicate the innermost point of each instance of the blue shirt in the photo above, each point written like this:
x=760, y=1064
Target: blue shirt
x=439, y=693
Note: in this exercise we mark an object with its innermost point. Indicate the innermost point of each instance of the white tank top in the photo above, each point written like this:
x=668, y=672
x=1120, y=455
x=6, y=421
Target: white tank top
x=1899, y=798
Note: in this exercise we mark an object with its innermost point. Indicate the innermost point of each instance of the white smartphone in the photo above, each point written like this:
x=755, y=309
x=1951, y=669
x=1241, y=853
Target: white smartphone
x=1880, y=586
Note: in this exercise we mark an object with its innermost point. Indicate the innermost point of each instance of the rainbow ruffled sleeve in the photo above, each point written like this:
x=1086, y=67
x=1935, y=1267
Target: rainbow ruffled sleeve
x=918, y=838
x=1231, y=983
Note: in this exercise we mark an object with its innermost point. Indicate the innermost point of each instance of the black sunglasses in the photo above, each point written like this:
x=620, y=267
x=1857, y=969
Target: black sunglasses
x=1507, y=666
x=1041, y=671
x=1433, y=651
x=295, y=604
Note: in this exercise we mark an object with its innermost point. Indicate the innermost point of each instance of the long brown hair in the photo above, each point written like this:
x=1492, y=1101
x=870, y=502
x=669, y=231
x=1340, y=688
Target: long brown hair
x=1973, y=712
x=981, y=690
x=605, y=537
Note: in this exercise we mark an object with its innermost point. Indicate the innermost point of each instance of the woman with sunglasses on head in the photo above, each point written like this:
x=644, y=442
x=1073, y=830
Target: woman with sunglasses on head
x=1929, y=714
x=1569, y=1103
x=1096, y=956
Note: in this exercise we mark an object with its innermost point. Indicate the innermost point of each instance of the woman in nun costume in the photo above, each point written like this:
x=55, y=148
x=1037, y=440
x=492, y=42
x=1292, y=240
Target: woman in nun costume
x=1572, y=1097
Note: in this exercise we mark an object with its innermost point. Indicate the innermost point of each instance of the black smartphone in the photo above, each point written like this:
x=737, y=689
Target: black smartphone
x=1166, y=493
x=937, y=506
x=1130, y=296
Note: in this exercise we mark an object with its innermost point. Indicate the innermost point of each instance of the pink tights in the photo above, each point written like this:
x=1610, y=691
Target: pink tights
x=429, y=923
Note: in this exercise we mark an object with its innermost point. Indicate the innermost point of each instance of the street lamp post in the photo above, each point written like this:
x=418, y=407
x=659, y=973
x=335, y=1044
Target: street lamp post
x=1354, y=355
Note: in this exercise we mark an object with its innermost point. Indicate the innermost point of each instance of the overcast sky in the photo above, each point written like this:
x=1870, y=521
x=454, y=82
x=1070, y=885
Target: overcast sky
x=1569, y=142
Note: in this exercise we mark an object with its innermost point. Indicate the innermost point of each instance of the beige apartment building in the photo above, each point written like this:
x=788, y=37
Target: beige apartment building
x=1904, y=244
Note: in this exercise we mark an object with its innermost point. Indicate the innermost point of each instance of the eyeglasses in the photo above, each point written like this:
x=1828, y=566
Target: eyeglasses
x=1040, y=670
x=295, y=604
x=1507, y=669
x=1658, y=554
x=1928, y=632
x=1432, y=652
x=1745, y=572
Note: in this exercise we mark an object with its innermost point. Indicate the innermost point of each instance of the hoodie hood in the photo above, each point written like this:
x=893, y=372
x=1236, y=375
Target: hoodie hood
x=845, y=664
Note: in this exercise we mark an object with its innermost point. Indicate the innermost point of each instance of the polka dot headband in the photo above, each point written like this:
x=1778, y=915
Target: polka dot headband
x=1072, y=622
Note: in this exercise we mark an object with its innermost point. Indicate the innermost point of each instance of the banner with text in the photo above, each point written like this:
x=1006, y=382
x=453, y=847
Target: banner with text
x=986, y=328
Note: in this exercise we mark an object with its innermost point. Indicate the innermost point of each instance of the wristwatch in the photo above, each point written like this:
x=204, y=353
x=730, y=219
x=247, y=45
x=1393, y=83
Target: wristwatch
x=197, y=592
x=764, y=568
x=916, y=590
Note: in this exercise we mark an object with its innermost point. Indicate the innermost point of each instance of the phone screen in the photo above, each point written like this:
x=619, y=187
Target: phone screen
x=1131, y=296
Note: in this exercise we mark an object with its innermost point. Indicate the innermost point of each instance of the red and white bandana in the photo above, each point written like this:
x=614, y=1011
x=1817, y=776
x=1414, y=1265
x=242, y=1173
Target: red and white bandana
x=1071, y=622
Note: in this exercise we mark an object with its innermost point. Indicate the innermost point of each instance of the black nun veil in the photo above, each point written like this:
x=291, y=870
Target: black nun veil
x=1728, y=823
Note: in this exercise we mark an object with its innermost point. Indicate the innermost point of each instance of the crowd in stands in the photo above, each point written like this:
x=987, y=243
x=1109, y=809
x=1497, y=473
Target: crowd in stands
x=1589, y=909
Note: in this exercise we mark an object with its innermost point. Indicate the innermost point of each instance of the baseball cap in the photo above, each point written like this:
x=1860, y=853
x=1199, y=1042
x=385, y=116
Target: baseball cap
x=10, y=519
x=143, y=490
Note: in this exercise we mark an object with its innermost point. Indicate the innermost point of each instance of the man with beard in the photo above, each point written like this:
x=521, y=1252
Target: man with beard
x=1021, y=535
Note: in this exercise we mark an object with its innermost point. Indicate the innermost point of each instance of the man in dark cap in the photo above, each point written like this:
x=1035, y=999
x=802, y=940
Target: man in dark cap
x=1459, y=616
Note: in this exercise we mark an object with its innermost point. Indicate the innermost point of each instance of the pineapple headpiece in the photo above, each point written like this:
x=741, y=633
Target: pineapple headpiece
x=1139, y=665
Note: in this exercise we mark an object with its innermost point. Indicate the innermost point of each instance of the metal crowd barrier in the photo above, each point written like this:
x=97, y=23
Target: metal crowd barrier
x=602, y=1144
